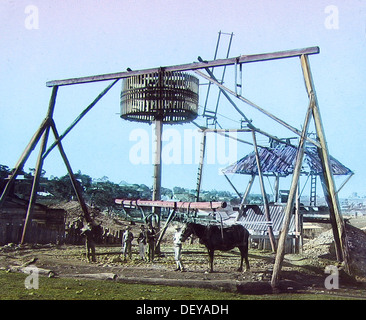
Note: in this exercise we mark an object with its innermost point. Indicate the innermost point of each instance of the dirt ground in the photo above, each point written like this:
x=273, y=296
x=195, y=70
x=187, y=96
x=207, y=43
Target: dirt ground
x=300, y=273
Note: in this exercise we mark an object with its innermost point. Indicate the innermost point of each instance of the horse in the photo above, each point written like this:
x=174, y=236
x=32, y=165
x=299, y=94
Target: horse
x=224, y=239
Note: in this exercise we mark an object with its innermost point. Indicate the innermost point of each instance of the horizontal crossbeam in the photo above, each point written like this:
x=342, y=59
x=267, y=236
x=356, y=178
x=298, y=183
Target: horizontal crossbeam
x=190, y=66
x=171, y=204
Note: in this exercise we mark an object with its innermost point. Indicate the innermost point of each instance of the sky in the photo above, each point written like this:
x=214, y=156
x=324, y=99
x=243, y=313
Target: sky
x=44, y=40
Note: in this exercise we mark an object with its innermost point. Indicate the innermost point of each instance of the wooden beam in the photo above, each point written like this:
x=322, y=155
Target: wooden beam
x=200, y=165
x=291, y=199
x=264, y=195
x=81, y=115
x=74, y=182
x=250, y=103
x=232, y=185
x=189, y=66
x=35, y=185
x=39, y=164
x=172, y=204
x=163, y=230
x=23, y=159
x=244, y=198
x=339, y=233
x=228, y=97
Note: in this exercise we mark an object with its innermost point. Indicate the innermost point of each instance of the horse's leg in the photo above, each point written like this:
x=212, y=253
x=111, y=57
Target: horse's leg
x=242, y=249
x=247, y=267
x=244, y=255
x=246, y=249
x=211, y=257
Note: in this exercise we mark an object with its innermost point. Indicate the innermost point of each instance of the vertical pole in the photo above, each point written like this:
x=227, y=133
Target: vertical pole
x=290, y=202
x=297, y=220
x=264, y=196
x=37, y=174
x=158, y=124
x=329, y=185
x=276, y=188
x=156, y=211
x=200, y=165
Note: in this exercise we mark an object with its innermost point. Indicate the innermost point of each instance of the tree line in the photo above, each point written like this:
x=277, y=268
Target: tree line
x=101, y=192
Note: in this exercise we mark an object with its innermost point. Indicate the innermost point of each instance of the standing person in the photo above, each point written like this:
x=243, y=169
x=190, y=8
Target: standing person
x=177, y=241
x=88, y=232
x=151, y=241
x=127, y=243
x=141, y=240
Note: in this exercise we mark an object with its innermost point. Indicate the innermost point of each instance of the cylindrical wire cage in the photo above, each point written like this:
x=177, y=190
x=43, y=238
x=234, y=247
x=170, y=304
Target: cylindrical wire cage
x=168, y=96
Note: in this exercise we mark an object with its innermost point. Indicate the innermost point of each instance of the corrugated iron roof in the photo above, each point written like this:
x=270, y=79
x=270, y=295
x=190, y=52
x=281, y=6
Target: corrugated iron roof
x=255, y=220
x=281, y=160
x=257, y=223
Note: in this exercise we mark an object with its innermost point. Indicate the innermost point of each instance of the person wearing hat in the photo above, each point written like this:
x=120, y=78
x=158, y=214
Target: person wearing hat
x=177, y=240
x=127, y=243
x=88, y=232
x=141, y=240
x=151, y=235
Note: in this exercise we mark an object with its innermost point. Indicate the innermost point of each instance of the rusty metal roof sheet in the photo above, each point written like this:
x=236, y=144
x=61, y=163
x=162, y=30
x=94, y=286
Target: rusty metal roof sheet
x=281, y=160
x=257, y=223
x=255, y=220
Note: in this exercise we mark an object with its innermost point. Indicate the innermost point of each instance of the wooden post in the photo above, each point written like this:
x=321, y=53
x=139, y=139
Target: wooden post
x=245, y=196
x=71, y=175
x=156, y=211
x=290, y=202
x=232, y=185
x=157, y=160
x=276, y=188
x=22, y=160
x=200, y=166
x=328, y=183
x=264, y=196
x=249, y=187
x=37, y=174
x=81, y=115
x=163, y=230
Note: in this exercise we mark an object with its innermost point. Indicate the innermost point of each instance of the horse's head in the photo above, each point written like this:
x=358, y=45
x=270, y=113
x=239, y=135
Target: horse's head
x=186, y=232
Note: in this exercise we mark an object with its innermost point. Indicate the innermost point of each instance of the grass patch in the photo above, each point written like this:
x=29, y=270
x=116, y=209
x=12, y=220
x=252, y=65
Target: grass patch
x=13, y=288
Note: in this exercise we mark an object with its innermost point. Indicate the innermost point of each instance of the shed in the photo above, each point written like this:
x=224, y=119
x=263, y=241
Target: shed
x=47, y=226
x=279, y=161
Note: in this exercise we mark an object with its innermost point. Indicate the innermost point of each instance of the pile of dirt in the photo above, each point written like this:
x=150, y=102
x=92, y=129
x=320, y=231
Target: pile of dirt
x=321, y=246
x=356, y=239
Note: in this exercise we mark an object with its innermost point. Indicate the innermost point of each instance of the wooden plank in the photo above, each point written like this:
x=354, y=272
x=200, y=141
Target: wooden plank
x=189, y=66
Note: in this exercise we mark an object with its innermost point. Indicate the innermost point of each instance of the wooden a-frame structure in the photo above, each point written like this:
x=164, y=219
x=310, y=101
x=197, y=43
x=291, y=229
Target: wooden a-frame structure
x=312, y=114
